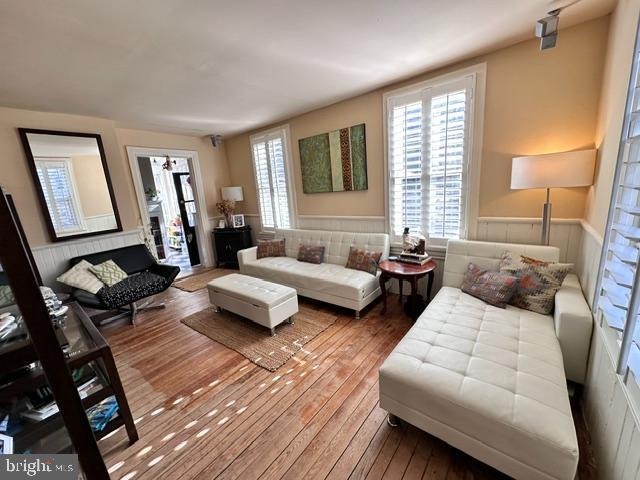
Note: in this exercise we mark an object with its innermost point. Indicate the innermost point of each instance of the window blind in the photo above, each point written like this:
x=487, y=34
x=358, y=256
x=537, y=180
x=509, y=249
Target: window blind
x=618, y=299
x=428, y=138
x=57, y=187
x=270, y=168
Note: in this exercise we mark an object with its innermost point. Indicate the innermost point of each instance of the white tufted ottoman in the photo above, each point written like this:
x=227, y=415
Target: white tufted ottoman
x=266, y=303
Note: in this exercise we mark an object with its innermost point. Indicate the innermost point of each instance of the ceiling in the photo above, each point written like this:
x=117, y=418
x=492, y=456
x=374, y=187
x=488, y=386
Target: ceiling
x=204, y=66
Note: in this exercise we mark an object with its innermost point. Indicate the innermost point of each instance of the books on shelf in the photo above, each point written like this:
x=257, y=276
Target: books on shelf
x=99, y=415
x=414, y=258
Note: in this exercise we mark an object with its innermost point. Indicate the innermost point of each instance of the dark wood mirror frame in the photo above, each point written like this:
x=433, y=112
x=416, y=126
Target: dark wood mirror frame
x=43, y=203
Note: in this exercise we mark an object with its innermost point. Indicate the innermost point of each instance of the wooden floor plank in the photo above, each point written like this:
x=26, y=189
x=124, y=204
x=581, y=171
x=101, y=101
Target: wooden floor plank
x=204, y=411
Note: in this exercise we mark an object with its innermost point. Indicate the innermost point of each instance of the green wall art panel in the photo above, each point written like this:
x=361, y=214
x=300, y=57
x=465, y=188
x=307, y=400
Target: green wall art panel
x=334, y=161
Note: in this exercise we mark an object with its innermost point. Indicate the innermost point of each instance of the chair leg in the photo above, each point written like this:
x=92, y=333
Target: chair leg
x=134, y=311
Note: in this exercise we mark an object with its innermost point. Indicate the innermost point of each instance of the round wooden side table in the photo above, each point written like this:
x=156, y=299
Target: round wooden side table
x=409, y=272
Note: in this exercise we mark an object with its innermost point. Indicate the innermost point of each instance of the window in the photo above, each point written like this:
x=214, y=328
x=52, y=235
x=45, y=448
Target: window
x=618, y=293
x=55, y=176
x=270, y=163
x=429, y=149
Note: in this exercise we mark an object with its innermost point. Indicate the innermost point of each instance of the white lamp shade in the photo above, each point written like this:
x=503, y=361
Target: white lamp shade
x=232, y=193
x=564, y=169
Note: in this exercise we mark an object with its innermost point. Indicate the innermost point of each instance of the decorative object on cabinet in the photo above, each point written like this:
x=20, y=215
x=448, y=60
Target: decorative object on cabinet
x=35, y=360
x=228, y=241
x=238, y=221
x=72, y=179
x=334, y=161
x=553, y=170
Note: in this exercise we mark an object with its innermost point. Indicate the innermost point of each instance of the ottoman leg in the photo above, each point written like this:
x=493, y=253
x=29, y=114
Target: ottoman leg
x=273, y=331
x=392, y=420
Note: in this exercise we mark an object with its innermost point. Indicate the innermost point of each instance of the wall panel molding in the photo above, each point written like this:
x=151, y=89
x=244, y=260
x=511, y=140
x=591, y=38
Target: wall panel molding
x=566, y=233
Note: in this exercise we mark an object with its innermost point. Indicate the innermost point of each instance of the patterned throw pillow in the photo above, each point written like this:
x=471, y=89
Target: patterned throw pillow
x=363, y=260
x=271, y=248
x=311, y=253
x=538, y=281
x=109, y=272
x=6, y=296
x=79, y=276
x=495, y=288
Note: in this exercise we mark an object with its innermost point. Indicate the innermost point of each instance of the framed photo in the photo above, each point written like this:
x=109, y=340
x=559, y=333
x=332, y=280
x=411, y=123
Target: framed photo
x=6, y=444
x=238, y=221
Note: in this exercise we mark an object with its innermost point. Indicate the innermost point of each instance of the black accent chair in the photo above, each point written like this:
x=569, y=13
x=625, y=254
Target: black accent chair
x=146, y=278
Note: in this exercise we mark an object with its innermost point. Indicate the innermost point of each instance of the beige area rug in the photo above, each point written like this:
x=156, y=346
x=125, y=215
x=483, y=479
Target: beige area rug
x=195, y=282
x=255, y=341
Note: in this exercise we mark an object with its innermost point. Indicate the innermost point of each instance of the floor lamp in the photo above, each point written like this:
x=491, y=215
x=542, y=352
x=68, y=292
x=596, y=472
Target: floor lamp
x=553, y=170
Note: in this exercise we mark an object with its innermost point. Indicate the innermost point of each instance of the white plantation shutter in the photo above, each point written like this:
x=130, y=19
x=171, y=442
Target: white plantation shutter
x=57, y=186
x=428, y=135
x=618, y=295
x=270, y=167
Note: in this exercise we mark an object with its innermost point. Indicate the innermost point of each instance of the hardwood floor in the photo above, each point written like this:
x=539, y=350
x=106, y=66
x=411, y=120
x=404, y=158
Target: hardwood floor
x=204, y=411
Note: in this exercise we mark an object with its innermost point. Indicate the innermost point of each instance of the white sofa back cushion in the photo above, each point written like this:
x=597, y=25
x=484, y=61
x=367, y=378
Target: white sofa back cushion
x=337, y=244
x=486, y=255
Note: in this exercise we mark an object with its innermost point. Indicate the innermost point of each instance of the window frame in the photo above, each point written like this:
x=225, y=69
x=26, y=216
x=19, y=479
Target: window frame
x=75, y=196
x=283, y=132
x=477, y=73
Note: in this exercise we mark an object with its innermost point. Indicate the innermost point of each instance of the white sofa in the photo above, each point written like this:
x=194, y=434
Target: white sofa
x=329, y=281
x=491, y=381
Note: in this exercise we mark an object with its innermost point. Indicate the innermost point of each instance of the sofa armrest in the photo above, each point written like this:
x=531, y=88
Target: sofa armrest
x=574, y=324
x=247, y=255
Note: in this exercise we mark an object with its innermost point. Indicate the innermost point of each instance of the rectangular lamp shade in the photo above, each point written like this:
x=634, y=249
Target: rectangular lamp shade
x=232, y=193
x=564, y=169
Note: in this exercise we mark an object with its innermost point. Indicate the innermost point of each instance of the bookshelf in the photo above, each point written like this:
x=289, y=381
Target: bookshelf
x=41, y=353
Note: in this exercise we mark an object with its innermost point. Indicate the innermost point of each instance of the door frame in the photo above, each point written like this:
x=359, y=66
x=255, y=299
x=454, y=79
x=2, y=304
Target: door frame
x=203, y=227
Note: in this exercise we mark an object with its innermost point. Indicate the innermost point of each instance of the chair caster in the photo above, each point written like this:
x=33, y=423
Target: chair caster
x=392, y=420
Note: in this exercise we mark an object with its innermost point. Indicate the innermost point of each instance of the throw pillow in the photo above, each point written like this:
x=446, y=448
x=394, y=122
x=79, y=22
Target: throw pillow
x=109, y=272
x=79, y=276
x=311, y=253
x=494, y=288
x=6, y=296
x=363, y=260
x=538, y=281
x=271, y=248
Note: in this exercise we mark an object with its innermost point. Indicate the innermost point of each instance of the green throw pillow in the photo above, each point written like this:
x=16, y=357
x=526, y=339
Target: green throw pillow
x=109, y=272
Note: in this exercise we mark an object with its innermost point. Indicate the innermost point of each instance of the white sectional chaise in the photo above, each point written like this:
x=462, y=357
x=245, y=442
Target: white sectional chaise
x=491, y=381
x=329, y=281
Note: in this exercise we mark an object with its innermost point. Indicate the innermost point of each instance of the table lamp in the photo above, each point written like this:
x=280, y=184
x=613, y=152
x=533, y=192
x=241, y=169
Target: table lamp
x=553, y=170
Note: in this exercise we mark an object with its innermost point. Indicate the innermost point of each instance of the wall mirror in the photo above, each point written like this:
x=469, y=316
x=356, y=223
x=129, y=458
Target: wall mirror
x=73, y=183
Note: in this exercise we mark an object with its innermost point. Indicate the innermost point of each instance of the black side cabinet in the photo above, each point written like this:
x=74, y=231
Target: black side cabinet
x=228, y=241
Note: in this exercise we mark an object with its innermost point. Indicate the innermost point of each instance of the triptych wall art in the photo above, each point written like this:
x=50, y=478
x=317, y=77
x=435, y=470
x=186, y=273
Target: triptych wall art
x=334, y=161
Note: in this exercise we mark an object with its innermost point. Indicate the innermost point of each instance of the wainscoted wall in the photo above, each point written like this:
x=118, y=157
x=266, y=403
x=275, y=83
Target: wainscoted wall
x=52, y=259
x=365, y=224
x=566, y=234
x=613, y=422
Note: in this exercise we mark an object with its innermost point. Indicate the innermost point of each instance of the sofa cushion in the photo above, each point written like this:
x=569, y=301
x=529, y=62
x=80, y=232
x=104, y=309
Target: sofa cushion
x=483, y=375
x=108, y=272
x=271, y=248
x=79, y=276
x=495, y=288
x=132, y=289
x=363, y=260
x=325, y=277
x=311, y=253
x=538, y=281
